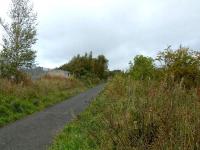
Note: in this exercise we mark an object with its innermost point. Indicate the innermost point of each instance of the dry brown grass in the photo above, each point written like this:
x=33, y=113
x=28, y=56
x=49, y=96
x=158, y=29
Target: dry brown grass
x=150, y=115
x=140, y=115
x=20, y=99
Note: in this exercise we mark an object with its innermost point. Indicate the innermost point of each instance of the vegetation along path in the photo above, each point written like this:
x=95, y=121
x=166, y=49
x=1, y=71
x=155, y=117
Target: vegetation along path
x=36, y=132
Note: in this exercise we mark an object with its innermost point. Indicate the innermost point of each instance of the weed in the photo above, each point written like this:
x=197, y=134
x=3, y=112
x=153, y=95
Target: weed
x=20, y=99
x=139, y=115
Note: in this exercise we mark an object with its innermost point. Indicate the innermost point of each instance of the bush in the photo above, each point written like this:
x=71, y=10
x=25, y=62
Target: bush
x=181, y=66
x=142, y=68
x=86, y=66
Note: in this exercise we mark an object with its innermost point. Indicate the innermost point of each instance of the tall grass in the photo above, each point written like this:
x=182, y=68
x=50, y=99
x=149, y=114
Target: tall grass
x=18, y=100
x=137, y=115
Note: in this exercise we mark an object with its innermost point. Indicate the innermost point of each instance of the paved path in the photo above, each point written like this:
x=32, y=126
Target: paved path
x=37, y=131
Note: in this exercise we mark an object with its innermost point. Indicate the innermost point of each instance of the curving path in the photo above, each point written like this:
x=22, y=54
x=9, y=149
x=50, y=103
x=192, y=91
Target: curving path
x=36, y=131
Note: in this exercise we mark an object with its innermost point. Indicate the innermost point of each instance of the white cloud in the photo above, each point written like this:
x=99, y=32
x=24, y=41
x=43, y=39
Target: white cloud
x=119, y=29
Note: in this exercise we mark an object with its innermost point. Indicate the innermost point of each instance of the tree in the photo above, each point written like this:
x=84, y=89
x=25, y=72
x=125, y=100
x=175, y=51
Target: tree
x=142, y=68
x=101, y=67
x=87, y=67
x=181, y=65
x=18, y=39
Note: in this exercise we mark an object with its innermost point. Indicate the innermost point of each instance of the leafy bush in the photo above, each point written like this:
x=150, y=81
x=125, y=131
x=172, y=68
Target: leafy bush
x=181, y=66
x=142, y=68
x=86, y=66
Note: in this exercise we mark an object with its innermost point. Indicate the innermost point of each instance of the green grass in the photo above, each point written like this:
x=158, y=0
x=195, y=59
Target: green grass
x=19, y=100
x=138, y=115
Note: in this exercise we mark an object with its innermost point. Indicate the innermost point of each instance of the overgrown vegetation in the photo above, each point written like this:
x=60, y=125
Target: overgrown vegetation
x=18, y=100
x=181, y=65
x=148, y=107
x=156, y=112
x=136, y=115
x=90, y=69
x=19, y=96
x=142, y=68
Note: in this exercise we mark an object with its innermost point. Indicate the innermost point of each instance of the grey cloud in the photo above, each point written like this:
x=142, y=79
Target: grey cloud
x=118, y=29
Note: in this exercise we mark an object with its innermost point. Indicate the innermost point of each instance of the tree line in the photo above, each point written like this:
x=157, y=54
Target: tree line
x=180, y=65
x=87, y=66
x=173, y=65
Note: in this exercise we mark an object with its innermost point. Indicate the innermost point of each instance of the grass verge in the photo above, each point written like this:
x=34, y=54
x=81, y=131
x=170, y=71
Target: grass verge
x=136, y=115
x=19, y=100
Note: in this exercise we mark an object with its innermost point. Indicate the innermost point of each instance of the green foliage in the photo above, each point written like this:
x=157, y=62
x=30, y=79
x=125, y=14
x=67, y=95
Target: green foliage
x=88, y=67
x=181, y=65
x=18, y=39
x=18, y=100
x=142, y=68
x=176, y=66
x=136, y=115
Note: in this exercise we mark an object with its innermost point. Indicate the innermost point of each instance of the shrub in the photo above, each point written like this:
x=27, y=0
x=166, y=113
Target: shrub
x=181, y=66
x=142, y=68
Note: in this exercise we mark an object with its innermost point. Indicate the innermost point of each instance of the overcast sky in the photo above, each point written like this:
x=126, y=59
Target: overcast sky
x=119, y=29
